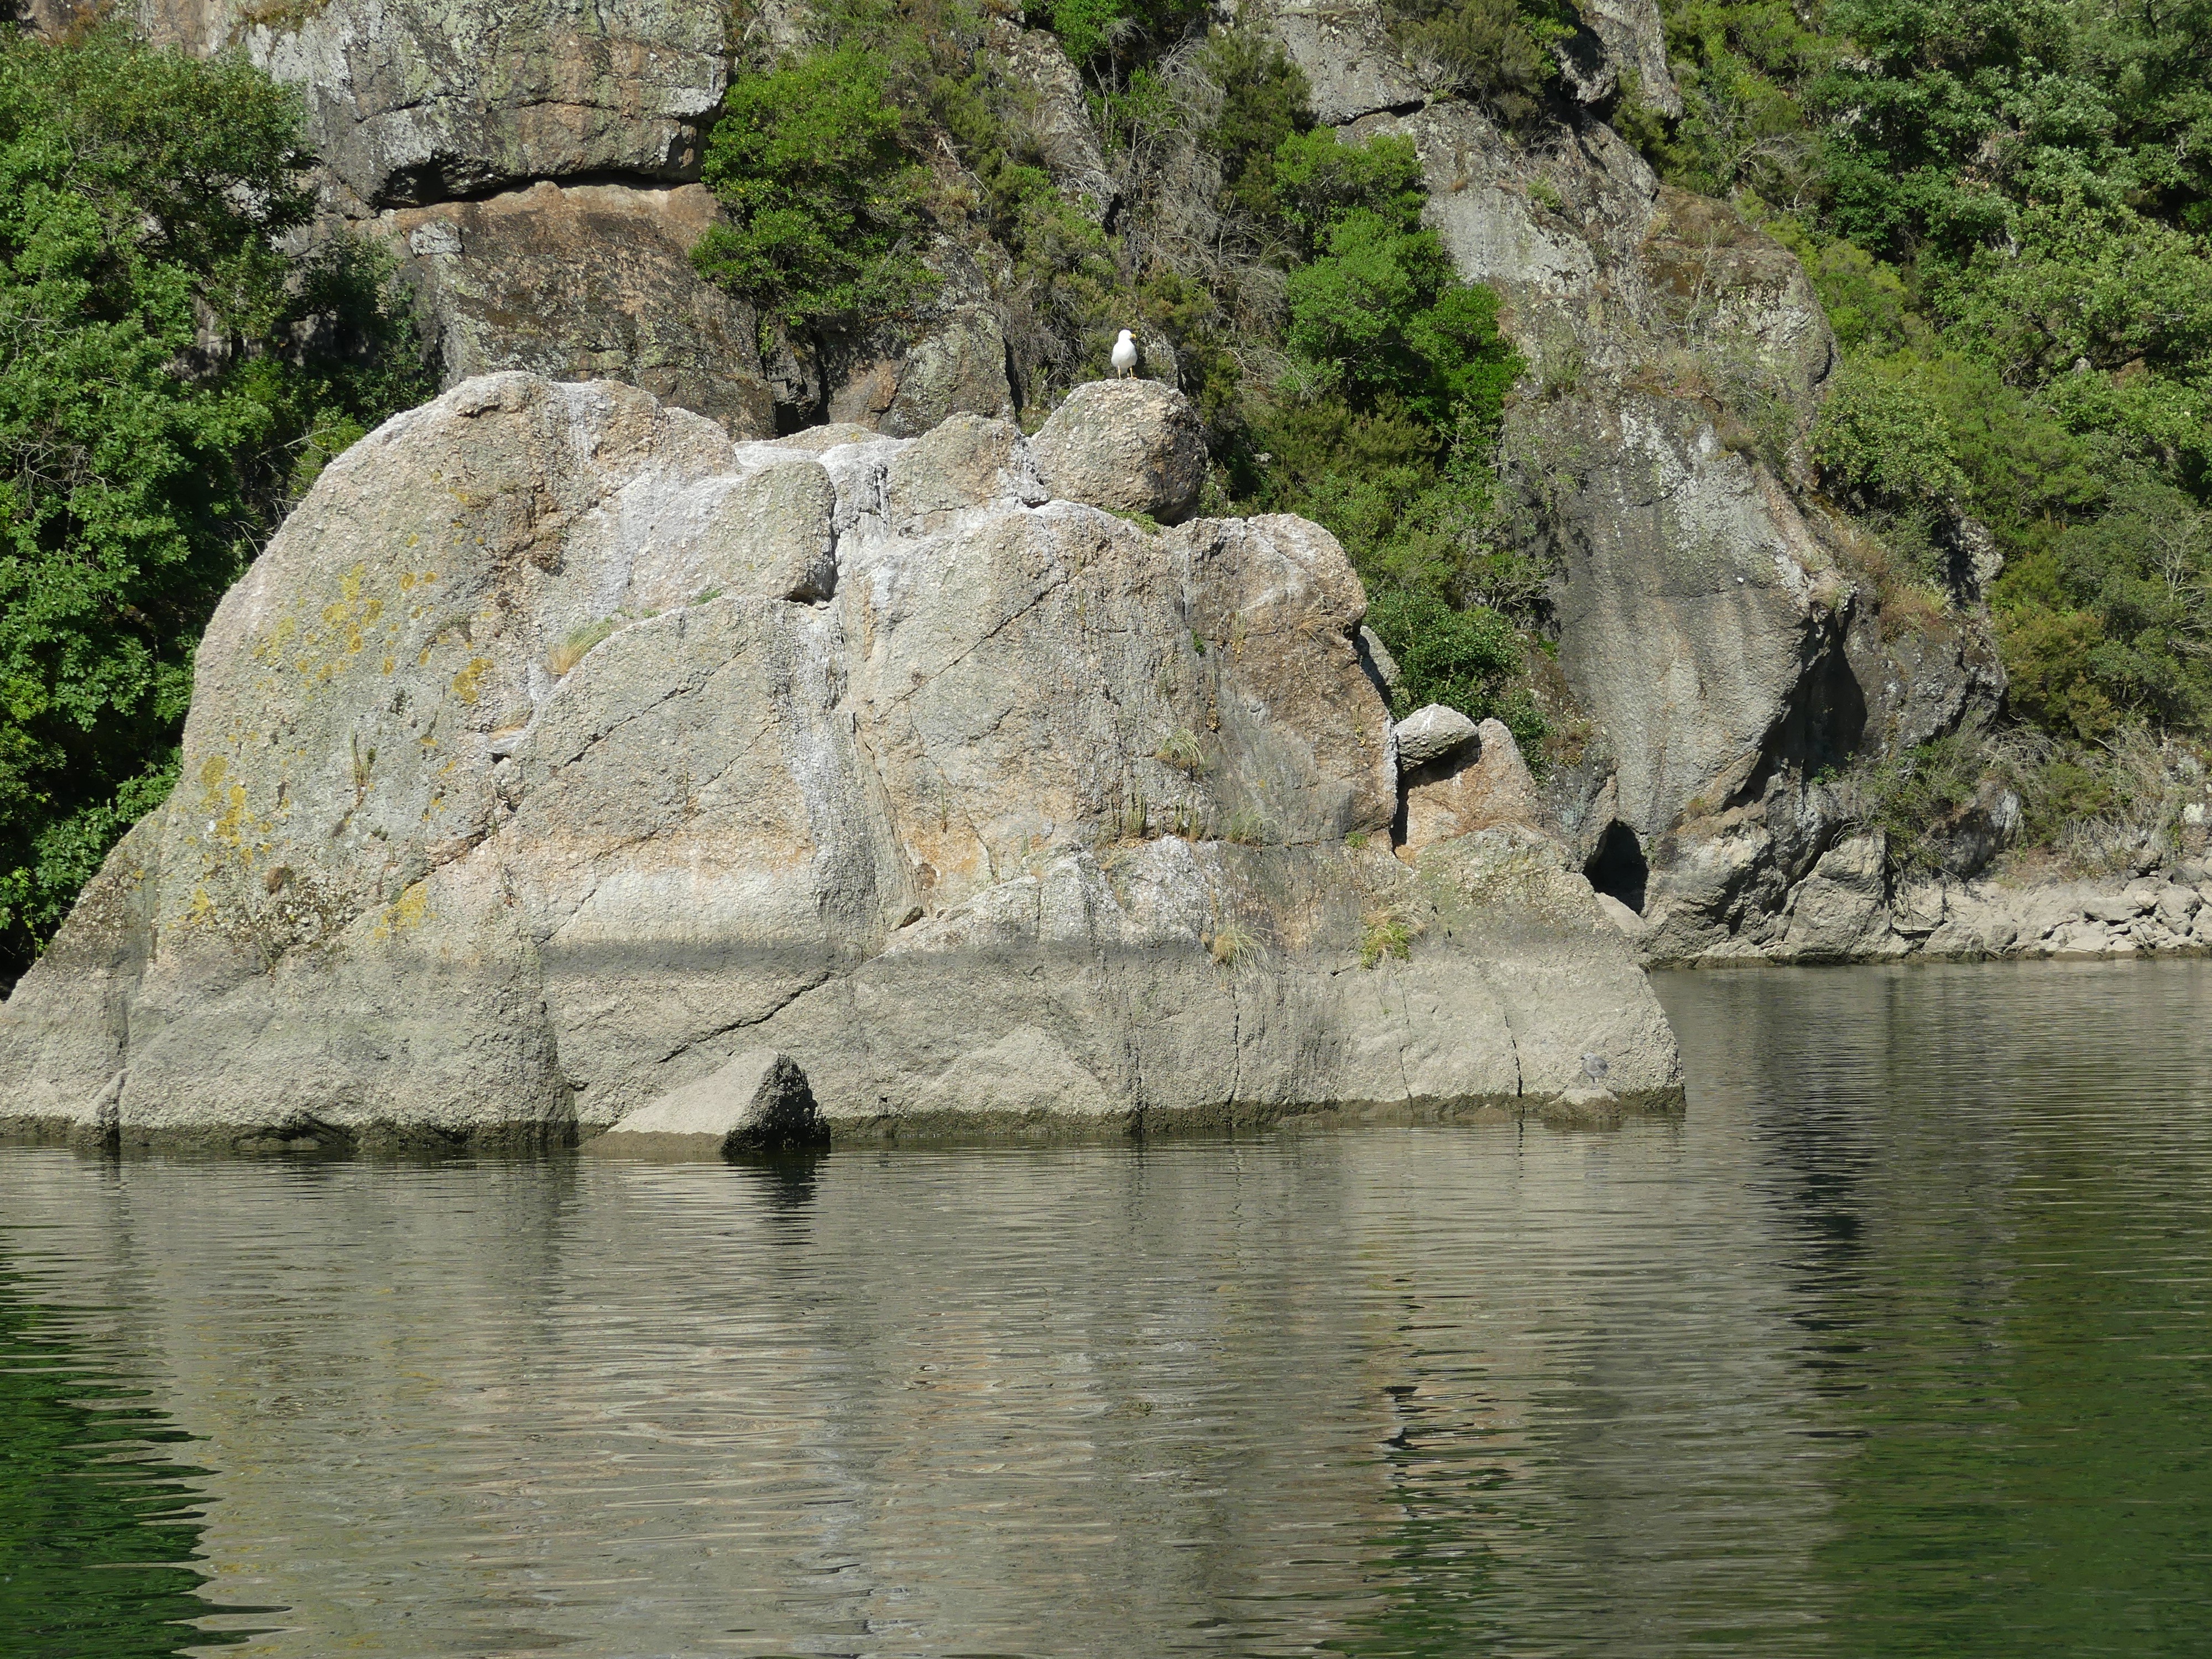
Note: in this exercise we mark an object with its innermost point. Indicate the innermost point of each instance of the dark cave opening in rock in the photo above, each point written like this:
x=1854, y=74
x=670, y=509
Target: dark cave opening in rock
x=1617, y=867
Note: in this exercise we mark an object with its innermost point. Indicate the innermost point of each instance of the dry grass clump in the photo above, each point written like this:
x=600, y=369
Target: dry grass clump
x=1180, y=750
x=561, y=660
x=1234, y=945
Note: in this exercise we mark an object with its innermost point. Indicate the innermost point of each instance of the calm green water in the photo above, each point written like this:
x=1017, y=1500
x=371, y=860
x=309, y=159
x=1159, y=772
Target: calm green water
x=1897, y=1345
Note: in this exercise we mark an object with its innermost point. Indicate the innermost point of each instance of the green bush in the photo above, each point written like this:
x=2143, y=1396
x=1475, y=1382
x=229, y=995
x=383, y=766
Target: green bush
x=1493, y=51
x=824, y=203
x=1881, y=440
x=1465, y=658
x=172, y=379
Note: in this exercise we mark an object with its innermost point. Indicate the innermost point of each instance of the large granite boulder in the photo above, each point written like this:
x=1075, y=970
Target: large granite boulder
x=558, y=750
x=1126, y=446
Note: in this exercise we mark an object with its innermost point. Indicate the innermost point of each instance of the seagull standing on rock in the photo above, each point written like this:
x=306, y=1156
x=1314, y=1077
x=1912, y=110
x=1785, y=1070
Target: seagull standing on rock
x=1124, y=356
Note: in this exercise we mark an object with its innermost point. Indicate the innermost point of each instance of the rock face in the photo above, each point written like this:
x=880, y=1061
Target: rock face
x=1708, y=627
x=534, y=166
x=586, y=282
x=412, y=101
x=1470, y=790
x=558, y=750
x=1354, y=68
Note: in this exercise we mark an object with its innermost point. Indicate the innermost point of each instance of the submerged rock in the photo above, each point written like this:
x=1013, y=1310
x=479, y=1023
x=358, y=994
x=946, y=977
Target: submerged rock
x=559, y=749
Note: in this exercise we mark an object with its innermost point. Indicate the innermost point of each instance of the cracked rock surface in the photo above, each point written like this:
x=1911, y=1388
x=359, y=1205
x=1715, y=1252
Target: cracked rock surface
x=559, y=749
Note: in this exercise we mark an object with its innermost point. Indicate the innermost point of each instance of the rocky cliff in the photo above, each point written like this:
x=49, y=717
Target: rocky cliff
x=1710, y=622
x=560, y=747
x=1720, y=645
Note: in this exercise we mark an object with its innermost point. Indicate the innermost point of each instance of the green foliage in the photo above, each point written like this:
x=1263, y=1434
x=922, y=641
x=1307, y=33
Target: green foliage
x=1263, y=108
x=2003, y=207
x=1100, y=33
x=1495, y=52
x=1320, y=180
x=2114, y=617
x=172, y=381
x=1880, y=439
x=824, y=203
x=1383, y=430
x=1384, y=934
x=1917, y=798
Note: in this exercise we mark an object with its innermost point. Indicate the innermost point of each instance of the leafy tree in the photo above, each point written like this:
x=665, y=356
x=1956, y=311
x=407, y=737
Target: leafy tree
x=173, y=379
x=824, y=203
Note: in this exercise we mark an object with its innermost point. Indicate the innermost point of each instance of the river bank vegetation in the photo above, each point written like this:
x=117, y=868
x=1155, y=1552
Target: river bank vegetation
x=2004, y=208
x=177, y=369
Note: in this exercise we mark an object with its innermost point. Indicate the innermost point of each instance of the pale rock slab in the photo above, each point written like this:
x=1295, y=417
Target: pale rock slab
x=1489, y=786
x=1431, y=733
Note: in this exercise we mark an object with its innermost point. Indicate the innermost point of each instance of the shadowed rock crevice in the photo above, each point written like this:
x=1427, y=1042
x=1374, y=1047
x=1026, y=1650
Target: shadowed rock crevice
x=1618, y=869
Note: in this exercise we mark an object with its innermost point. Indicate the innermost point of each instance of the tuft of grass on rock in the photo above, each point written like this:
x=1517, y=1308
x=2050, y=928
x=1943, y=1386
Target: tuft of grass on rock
x=560, y=661
x=1234, y=945
x=1180, y=750
x=1384, y=933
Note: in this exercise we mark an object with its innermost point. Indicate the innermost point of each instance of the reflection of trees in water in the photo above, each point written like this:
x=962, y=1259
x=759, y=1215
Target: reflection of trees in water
x=1986, y=1186
x=98, y=1526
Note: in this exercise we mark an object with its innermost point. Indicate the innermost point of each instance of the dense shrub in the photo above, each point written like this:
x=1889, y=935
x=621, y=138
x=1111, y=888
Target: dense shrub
x=1880, y=439
x=823, y=202
x=173, y=379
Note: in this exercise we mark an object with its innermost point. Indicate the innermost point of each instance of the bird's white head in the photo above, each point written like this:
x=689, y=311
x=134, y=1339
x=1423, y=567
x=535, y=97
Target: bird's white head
x=1126, y=339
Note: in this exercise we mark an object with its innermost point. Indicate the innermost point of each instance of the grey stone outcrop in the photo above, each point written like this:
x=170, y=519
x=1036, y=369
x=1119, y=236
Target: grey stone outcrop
x=1471, y=788
x=1431, y=734
x=759, y=1102
x=585, y=282
x=1126, y=446
x=558, y=750
x=413, y=101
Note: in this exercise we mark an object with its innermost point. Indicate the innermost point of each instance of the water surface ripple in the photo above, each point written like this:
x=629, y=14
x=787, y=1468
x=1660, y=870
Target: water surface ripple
x=1896, y=1344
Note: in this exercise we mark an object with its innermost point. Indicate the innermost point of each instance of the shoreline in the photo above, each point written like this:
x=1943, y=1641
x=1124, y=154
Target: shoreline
x=1852, y=917
x=940, y=1130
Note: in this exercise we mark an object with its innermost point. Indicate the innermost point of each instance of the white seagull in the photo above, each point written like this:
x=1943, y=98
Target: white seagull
x=1124, y=356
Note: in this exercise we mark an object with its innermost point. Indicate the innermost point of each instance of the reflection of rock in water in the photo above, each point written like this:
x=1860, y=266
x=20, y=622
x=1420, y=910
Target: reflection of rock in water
x=1021, y=1401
